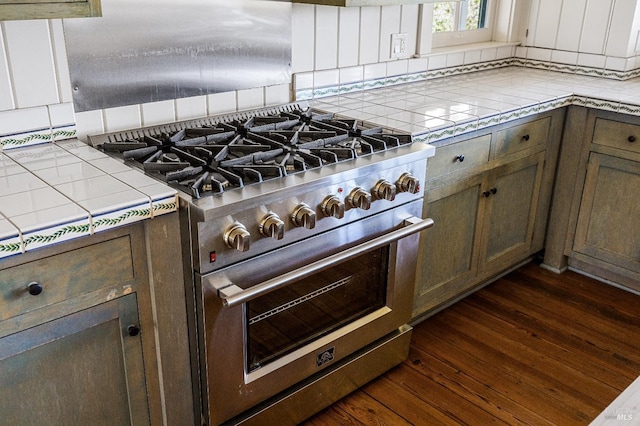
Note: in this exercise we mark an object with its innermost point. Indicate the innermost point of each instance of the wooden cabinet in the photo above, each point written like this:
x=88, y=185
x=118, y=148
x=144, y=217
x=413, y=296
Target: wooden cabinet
x=608, y=223
x=510, y=194
x=86, y=327
x=603, y=224
x=48, y=9
x=83, y=368
x=447, y=258
x=489, y=209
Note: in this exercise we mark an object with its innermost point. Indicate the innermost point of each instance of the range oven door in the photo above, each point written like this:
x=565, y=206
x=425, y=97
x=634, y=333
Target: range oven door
x=282, y=317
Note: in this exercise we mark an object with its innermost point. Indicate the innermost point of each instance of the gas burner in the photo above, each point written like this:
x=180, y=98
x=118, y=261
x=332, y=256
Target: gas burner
x=208, y=157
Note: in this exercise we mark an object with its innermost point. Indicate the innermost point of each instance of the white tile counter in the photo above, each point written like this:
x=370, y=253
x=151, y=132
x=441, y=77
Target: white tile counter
x=439, y=108
x=55, y=191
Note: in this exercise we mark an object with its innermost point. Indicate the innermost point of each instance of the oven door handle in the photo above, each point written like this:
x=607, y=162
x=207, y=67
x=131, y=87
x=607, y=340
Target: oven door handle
x=232, y=295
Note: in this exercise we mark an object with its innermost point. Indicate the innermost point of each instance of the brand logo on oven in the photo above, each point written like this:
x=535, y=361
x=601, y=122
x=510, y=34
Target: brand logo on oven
x=325, y=356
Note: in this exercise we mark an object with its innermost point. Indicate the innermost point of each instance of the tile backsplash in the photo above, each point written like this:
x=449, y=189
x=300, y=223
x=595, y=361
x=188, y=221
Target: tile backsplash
x=334, y=49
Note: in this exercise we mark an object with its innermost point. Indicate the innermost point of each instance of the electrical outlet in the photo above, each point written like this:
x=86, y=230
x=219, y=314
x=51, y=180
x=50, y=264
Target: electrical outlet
x=398, y=45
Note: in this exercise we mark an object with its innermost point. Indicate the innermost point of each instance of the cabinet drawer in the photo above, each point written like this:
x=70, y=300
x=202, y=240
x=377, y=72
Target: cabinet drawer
x=616, y=134
x=523, y=136
x=66, y=275
x=459, y=156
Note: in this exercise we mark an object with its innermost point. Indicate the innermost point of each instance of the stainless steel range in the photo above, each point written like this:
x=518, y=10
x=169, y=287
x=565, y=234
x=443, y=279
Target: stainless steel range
x=300, y=232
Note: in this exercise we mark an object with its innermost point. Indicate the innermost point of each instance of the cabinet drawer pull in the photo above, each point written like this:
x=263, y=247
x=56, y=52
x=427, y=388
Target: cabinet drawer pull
x=34, y=288
x=488, y=193
x=631, y=139
x=525, y=138
x=460, y=158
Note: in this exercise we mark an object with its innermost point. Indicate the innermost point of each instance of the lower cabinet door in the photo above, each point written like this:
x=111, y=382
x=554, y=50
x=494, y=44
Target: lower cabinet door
x=85, y=368
x=447, y=256
x=511, y=193
x=609, y=218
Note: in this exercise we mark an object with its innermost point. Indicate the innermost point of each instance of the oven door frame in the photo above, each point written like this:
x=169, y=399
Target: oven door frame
x=228, y=388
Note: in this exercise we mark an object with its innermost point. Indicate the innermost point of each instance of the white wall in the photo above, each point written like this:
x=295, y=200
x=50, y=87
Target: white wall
x=598, y=27
x=331, y=45
x=34, y=76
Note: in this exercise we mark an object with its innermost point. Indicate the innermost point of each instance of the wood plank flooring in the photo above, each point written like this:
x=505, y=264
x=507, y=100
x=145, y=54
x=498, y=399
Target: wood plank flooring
x=533, y=348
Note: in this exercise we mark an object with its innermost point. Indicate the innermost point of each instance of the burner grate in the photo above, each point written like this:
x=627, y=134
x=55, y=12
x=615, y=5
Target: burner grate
x=214, y=155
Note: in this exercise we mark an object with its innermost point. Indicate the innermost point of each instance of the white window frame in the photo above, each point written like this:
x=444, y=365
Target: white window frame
x=455, y=38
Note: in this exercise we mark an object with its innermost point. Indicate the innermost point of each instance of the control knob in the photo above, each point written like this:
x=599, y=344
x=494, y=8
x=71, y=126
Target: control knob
x=332, y=206
x=304, y=216
x=408, y=183
x=359, y=198
x=272, y=226
x=384, y=190
x=237, y=237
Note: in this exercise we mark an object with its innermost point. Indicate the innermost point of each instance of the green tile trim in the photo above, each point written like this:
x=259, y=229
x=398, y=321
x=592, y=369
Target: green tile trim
x=139, y=214
x=64, y=134
x=29, y=139
x=15, y=247
x=57, y=235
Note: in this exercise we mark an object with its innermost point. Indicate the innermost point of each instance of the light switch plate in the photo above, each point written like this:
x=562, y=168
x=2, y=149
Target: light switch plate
x=398, y=45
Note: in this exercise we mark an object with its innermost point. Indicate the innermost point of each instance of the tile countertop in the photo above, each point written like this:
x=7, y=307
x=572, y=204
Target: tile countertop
x=54, y=192
x=440, y=108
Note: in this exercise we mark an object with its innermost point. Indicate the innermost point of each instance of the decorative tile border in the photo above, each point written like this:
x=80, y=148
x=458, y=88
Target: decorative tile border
x=596, y=103
x=56, y=234
x=577, y=69
x=10, y=246
x=491, y=120
x=629, y=109
x=135, y=214
x=87, y=226
x=64, y=132
x=84, y=227
x=37, y=137
x=378, y=83
x=164, y=206
x=34, y=137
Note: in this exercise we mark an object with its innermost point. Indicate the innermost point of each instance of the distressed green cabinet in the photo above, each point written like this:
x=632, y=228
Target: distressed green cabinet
x=85, y=368
x=489, y=196
x=603, y=226
x=87, y=325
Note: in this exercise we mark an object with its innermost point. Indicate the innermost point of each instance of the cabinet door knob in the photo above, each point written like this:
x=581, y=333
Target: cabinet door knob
x=525, y=138
x=631, y=139
x=494, y=190
x=34, y=288
x=460, y=158
x=133, y=330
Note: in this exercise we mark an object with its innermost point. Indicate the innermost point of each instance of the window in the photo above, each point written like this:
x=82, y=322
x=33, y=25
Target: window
x=461, y=22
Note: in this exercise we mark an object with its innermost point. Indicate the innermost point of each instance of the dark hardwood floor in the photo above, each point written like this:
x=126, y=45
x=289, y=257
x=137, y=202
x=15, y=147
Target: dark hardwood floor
x=532, y=348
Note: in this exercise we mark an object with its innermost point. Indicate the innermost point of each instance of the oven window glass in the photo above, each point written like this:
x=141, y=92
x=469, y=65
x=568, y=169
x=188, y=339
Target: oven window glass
x=286, y=319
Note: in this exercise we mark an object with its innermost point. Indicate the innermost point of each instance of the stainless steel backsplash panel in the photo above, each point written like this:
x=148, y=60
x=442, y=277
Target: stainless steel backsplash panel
x=143, y=51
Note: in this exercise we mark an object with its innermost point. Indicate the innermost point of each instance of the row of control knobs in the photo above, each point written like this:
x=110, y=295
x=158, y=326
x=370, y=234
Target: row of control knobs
x=272, y=226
